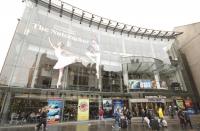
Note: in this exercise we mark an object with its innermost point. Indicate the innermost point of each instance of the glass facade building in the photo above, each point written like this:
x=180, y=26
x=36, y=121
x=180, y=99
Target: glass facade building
x=55, y=54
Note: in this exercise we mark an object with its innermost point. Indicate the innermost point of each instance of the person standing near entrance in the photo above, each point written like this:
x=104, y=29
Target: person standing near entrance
x=101, y=113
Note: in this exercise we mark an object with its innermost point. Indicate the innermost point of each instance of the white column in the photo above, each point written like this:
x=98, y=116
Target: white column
x=157, y=78
x=35, y=73
x=5, y=108
x=125, y=75
x=66, y=77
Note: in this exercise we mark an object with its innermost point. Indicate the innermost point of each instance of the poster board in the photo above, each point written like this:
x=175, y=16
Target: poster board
x=180, y=103
x=107, y=107
x=83, y=109
x=55, y=109
x=118, y=104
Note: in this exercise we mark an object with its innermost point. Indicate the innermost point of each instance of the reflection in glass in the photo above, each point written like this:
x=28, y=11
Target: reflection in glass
x=82, y=127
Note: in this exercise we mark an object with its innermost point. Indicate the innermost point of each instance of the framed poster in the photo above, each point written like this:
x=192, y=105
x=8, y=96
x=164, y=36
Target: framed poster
x=118, y=104
x=107, y=107
x=180, y=103
x=83, y=109
x=55, y=109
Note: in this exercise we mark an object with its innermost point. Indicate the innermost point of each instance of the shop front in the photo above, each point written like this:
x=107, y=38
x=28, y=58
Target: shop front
x=152, y=102
x=54, y=58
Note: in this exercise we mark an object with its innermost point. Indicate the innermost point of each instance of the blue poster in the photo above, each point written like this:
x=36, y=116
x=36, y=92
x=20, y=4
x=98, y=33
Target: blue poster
x=145, y=84
x=55, y=108
x=140, y=84
x=118, y=104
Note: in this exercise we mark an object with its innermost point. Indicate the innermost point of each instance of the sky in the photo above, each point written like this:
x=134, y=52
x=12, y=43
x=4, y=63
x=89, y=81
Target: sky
x=152, y=14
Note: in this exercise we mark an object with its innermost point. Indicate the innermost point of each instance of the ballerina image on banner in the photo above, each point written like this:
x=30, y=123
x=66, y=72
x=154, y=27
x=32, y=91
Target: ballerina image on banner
x=93, y=53
x=64, y=57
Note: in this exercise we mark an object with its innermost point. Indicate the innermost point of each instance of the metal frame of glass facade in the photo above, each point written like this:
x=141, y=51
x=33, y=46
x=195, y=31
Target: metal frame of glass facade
x=134, y=62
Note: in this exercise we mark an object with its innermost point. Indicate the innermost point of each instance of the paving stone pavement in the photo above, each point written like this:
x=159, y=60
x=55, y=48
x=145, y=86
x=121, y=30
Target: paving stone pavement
x=105, y=125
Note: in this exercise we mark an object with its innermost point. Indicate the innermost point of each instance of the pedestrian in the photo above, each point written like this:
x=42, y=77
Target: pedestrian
x=42, y=119
x=128, y=116
x=160, y=114
x=101, y=113
x=187, y=119
x=182, y=118
x=151, y=116
x=143, y=115
x=171, y=111
x=117, y=117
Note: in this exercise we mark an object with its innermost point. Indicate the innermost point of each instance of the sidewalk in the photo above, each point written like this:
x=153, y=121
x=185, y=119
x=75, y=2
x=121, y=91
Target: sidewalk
x=134, y=120
x=195, y=117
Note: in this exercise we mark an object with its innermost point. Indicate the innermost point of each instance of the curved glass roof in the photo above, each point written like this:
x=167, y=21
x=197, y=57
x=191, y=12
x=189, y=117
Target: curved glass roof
x=91, y=19
x=141, y=64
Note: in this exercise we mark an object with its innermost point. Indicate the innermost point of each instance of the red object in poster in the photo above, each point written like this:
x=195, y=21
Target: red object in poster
x=188, y=103
x=83, y=106
x=83, y=109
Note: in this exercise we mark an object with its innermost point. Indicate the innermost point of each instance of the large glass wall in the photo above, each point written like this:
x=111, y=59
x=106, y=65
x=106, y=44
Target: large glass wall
x=49, y=51
x=23, y=105
x=2, y=94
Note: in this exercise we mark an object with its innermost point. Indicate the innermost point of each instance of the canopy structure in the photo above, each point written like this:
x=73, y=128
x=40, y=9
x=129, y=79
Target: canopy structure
x=91, y=19
x=140, y=64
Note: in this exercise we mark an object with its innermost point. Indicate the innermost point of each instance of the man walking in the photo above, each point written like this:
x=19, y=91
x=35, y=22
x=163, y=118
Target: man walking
x=182, y=118
x=187, y=119
x=42, y=119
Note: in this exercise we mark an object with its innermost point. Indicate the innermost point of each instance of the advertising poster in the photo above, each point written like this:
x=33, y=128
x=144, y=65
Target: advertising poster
x=154, y=86
x=145, y=84
x=163, y=85
x=55, y=109
x=188, y=103
x=83, y=109
x=180, y=103
x=107, y=107
x=189, y=106
x=134, y=84
x=140, y=84
x=118, y=104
